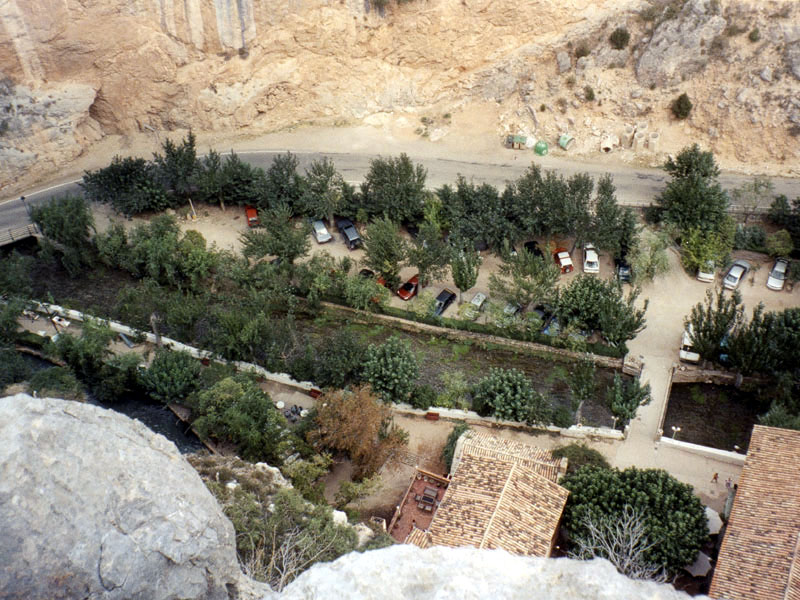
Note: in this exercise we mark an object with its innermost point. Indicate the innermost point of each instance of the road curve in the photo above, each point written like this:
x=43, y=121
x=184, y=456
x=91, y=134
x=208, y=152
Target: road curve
x=636, y=186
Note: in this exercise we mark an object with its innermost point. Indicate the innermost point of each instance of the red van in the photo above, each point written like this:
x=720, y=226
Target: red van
x=252, y=216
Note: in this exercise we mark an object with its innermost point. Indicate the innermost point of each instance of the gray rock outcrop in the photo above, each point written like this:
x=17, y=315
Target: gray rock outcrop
x=679, y=47
x=564, y=62
x=409, y=573
x=792, y=57
x=95, y=505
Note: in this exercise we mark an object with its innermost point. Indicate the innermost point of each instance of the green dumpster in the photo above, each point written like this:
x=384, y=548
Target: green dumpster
x=541, y=148
x=565, y=141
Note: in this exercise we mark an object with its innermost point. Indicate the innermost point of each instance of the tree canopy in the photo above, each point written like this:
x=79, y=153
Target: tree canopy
x=394, y=188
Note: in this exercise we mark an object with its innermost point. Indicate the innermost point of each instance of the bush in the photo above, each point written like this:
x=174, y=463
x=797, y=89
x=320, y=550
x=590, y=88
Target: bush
x=56, y=381
x=588, y=93
x=582, y=50
x=450, y=445
x=12, y=367
x=340, y=358
x=423, y=396
x=779, y=243
x=172, y=376
x=580, y=455
x=754, y=35
x=681, y=106
x=508, y=394
x=619, y=38
x=750, y=237
x=391, y=369
x=625, y=397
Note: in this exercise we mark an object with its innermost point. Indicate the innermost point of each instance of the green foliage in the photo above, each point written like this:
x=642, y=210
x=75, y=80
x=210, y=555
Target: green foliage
x=588, y=93
x=624, y=398
x=172, y=376
x=119, y=376
x=355, y=491
x=423, y=396
x=130, y=185
x=674, y=517
x=693, y=198
x=712, y=320
x=582, y=380
x=86, y=354
x=754, y=35
x=55, y=382
x=698, y=247
x=580, y=455
x=779, y=243
x=613, y=227
x=280, y=237
x=780, y=416
x=176, y=169
x=322, y=193
x=364, y=293
x=283, y=185
x=507, y=394
x=450, y=445
x=385, y=250
x=236, y=410
x=601, y=305
x=67, y=226
x=10, y=313
x=681, y=106
x=786, y=216
x=235, y=181
x=305, y=475
x=394, y=188
x=750, y=237
x=340, y=357
x=525, y=278
x=456, y=390
x=13, y=367
x=391, y=369
x=619, y=38
x=766, y=343
x=464, y=265
x=15, y=278
x=112, y=246
x=429, y=253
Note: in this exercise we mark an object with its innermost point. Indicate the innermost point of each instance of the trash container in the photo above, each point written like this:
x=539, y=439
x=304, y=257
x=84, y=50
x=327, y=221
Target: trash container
x=565, y=141
x=541, y=148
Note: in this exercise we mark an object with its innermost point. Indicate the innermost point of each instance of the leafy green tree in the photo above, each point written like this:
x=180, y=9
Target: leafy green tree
x=355, y=491
x=283, y=185
x=365, y=293
x=713, y=320
x=624, y=398
x=693, y=198
x=779, y=243
x=465, y=264
x=581, y=380
x=55, y=382
x=628, y=231
x=280, y=237
x=130, y=185
x=112, y=246
x=780, y=416
x=86, y=354
x=649, y=257
x=15, y=277
x=385, y=250
x=674, y=517
x=305, y=475
x=67, y=225
x=749, y=196
x=341, y=355
x=698, y=247
x=238, y=411
x=449, y=449
x=508, y=394
x=429, y=253
x=525, y=278
x=172, y=376
x=177, y=167
x=394, y=188
x=681, y=106
x=580, y=455
x=391, y=369
x=119, y=376
x=786, y=216
x=606, y=224
x=764, y=344
x=322, y=193
x=13, y=367
x=209, y=179
x=619, y=38
x=601, y=305
x=239, y=183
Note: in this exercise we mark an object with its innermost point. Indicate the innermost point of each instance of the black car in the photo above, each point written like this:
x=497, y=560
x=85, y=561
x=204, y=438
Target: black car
x=349, y=233
x=533, y=248
x=623, y=269
x=366, y=273
x=342, y=223
x=443, y=300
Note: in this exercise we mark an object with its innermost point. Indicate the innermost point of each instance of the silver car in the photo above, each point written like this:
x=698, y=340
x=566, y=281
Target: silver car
x=777, y=276
x=736, y=273
x=320, y=232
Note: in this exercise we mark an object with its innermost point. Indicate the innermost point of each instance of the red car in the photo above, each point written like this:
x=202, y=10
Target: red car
x=409, y=288
x=252, y=216
x=563, y=260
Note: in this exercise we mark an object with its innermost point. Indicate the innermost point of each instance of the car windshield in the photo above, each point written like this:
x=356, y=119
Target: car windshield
x=734, y=275
x=778, y=272
x=408, y=286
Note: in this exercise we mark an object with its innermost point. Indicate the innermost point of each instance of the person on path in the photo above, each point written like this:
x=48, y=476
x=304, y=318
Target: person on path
x=728, y=482
x=715, y=478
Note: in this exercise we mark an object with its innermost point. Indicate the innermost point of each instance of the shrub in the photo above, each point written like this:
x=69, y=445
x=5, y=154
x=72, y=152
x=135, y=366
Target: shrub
x=625, y=397
x=171, y=376
x=12, y=367
x=456, y=389
x=588, y=93
x=779, y=243
x=580, y=455
x=508, y=394
x=582, y=50
x=681, y=106
x=423, y=396
x=754, y=35
x=619, y=38
x=391, y=369
x=450, y=445
x=56, y=381
x=340, y=359
x=750, y=237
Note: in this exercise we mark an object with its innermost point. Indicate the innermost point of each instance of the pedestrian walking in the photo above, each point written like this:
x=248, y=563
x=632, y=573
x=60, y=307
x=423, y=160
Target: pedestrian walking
x=728, y=482
x=715, y=478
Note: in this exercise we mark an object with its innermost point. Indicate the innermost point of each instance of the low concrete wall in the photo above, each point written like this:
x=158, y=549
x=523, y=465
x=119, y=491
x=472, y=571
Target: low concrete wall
x=733, y=458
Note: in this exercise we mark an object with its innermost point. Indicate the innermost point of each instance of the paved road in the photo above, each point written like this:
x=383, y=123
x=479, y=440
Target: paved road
x=635, y=186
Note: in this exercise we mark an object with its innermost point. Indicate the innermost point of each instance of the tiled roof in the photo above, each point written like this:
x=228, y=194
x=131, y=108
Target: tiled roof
x=758, y=559
x=418, y=537
x=503, y=495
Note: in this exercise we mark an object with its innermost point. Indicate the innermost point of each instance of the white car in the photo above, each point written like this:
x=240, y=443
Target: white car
x=777, y=276
x=478, y=300
x=320, y=232
x=591, y=262
x=707, y=273
x=736, y=273
x=688, y=352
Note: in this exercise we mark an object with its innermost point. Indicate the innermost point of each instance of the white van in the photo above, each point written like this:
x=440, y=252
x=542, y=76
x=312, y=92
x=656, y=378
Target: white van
x=688, y=352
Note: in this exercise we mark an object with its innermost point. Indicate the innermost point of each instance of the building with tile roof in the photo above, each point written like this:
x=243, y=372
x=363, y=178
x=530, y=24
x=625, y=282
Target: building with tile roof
x=502, y=494
x=758, y=559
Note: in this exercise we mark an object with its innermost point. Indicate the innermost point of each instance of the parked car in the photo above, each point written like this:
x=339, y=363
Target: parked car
x=707, y=273
x=478, y=301
x=252, y=216
x=511, y=309
x=736, y=273
x=553, y=327
x=623, y=270
x=351, y=238
x=533, y=248
x=563, y=260
x=409, y=289
x=320, y=232
x=443, y=300
x=367, y=273
x=412, y=229
x=777, y=276
x=687, y=352
x=591, y=262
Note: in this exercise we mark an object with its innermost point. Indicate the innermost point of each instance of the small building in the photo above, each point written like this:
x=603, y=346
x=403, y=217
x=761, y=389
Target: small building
x=502, y=494
x=760, y=554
